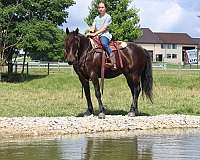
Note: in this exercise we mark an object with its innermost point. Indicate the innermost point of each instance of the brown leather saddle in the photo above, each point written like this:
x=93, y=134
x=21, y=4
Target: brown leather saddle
x=114, y=45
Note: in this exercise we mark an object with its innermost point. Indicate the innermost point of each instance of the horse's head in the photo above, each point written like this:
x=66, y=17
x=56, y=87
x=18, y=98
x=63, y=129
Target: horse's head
x=72, y=44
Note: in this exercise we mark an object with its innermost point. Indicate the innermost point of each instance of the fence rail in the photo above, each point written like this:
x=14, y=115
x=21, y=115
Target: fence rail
x=33, y=64
x=62, y=65
x=17, y=66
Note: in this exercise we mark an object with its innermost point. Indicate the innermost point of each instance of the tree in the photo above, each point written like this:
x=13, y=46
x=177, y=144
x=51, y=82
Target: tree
x=124, y=19
x=31, y=25
x=43, y=40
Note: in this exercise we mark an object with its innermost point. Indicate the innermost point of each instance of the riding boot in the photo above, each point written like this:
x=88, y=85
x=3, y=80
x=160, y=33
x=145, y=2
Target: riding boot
x=113, y=61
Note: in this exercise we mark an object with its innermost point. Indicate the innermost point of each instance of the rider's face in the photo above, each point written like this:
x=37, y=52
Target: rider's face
x=102, y=8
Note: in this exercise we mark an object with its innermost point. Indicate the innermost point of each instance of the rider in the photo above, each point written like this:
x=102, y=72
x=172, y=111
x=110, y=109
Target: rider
x=100, y=28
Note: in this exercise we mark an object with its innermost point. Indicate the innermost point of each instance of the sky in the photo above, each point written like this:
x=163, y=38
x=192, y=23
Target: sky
x=158, y=15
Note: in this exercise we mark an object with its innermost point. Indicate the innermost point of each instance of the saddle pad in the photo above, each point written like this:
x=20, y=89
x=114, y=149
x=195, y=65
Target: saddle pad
x=113, y=44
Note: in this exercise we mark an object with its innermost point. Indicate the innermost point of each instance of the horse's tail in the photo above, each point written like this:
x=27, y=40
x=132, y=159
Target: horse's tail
x=147, y=78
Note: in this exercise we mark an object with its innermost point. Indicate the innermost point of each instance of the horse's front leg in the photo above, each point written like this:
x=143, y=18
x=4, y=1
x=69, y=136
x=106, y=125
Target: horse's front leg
x=86, y=86
x=95, y=82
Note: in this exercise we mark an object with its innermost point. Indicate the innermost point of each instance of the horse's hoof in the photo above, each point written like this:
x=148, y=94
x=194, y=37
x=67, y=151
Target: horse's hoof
x=102, y=115
x=131, y=114
x=87, y=114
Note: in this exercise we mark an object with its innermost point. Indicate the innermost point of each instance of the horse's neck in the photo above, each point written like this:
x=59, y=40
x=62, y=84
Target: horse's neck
x=85, y=46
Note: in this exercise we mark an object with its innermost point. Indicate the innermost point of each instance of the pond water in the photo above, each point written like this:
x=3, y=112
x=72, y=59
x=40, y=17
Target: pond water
x=142, y=145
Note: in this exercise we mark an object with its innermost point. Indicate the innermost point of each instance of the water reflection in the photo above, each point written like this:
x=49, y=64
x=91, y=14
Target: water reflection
x=116, y=149
x=147, y=145
x=29, y=150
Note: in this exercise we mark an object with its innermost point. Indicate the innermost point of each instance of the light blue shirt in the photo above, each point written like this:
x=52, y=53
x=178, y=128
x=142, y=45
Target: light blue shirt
x=99, y=22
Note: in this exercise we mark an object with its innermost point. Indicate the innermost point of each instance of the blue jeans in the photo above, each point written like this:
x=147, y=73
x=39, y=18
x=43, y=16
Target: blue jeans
x=105, y=43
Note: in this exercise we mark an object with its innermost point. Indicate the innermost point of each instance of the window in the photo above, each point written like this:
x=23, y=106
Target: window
x=169, y=46
x=163, y=46
x=159, y=57
x=169, y=56
x=174, y=56
x=174, y=46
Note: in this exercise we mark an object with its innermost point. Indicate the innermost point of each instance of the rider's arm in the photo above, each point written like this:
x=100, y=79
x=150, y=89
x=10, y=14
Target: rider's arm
x=105, y=26
x=93, y=28
x=101, y=30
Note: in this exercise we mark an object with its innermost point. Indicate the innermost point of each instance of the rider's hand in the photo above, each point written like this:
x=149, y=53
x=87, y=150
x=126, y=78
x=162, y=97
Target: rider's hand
x=90, y=34
x=91, y=30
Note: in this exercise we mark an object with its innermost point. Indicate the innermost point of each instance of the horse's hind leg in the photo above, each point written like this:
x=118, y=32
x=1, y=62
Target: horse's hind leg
x=95, y=82
x=134, y=85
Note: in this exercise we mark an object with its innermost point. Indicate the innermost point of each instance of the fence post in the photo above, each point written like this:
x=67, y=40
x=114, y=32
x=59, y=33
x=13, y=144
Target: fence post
x=197, y=58
x=48, y=67
x=58, y=66
x=15, y=67
x=27, y=69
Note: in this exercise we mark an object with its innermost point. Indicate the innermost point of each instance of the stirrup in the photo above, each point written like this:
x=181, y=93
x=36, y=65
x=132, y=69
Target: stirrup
x=113, y=61
x=111, y=65
x=114, y=66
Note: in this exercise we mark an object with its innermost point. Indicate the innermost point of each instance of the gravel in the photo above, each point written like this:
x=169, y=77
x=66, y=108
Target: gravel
x=45, y=126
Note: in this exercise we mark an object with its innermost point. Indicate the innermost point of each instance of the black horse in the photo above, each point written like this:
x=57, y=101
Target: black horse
x=137, y=69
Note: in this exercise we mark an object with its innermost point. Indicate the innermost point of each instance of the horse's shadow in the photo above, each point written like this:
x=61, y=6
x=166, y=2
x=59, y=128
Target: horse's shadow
x=33, y=77
x=114, y=112
x=20, y=78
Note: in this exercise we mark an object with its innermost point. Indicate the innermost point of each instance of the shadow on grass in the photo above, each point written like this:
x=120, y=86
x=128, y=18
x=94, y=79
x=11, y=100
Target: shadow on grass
x=114, y=112
x=122, y=112
x=19, y=78
x=33, y=77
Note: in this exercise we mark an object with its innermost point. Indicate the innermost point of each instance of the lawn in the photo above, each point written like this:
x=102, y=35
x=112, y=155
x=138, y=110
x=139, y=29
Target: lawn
x=59, y=94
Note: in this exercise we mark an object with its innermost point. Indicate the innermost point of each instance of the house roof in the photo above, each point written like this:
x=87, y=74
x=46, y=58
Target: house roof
x=177, y=38
x=148, y=37
x=174, y=38
x=197, y=40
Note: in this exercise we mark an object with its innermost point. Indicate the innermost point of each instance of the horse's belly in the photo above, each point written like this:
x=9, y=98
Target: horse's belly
x=111, y=74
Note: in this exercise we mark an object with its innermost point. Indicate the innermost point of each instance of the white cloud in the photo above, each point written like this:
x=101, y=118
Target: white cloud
x=190, y=5
x=170, y=15
x=197, y=29
x=158, y=15
x=77, y=14
x=189, y=23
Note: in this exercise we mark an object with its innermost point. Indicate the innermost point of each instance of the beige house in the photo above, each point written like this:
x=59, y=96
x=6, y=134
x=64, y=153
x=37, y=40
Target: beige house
x=167, y=47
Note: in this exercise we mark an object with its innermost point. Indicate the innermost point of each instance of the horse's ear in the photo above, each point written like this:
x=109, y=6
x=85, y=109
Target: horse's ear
x=77, y=30
x=67, y=30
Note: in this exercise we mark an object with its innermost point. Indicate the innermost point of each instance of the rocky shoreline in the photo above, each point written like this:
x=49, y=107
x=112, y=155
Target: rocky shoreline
x=54, y=126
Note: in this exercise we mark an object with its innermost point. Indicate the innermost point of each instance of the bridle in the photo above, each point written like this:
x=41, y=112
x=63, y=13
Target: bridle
x=76, y=38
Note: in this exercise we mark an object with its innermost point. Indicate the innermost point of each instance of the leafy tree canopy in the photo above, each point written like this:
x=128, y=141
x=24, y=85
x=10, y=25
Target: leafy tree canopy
x=32, y=25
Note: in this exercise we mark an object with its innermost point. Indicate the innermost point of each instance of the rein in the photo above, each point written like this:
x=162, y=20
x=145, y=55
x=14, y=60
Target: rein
x=102, y=62
x=84, y=60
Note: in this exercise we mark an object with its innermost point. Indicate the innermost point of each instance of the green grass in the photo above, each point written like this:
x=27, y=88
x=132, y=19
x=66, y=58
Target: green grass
x=59, y=94
x=177, y=66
